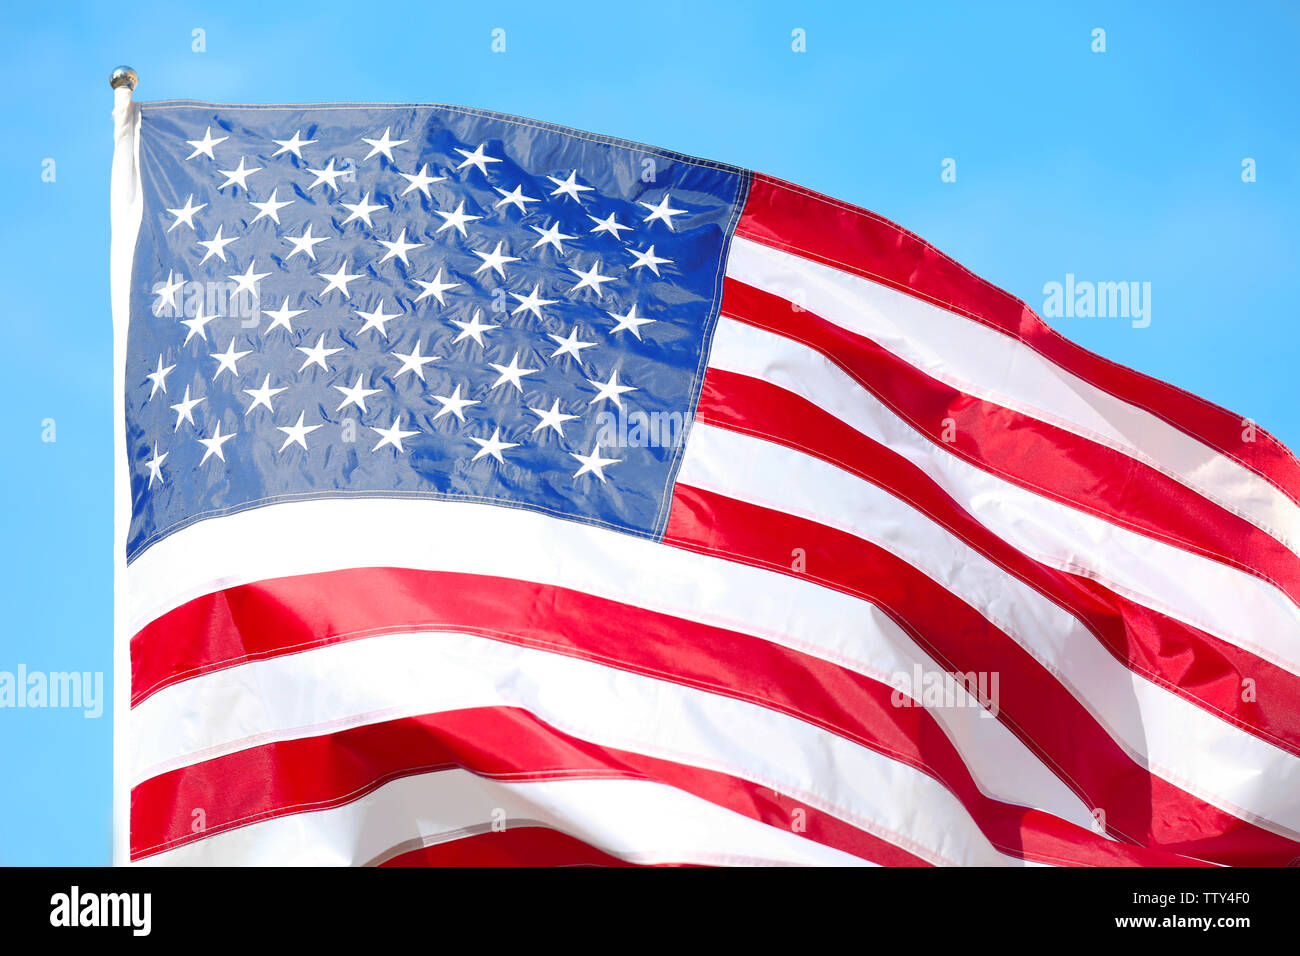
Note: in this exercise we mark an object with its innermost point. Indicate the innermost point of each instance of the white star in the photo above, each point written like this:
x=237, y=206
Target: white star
x=282, y=316
x=413, y=362
x=205, y=144
x=493, y=446
x=185, y=409
x=338, y=280
x=631, y=322
x=248, y=281
x=263, y=395
x=238, y=177
x=317, y=354
x=662, y=211
x=593, y=463
x=361, y=210
x=569, y=187
x=476, y=158
x=293, y=145
x=392, y=436
x=515, y=197
x=376, y=319
x=494, y=260
x=453, y=404
x=305, y=243
x=213, y=444
x=531, y=302
x=186, y=213
x=552, y=419
x=611, y=390
x=216, y=246
x=197, y=325
x=435, y=288
x=609, y=224
x=271, y=207
x=159, y=378
x=154, y=465
x=457, y=219
x=399, y=248
x=420, y=181
x=647, y=259
x=356, y=395
x=297, y=432
x=228, y=360
x=551, y=235
x=472, y=329
x=328, y=175
x=571, y=345
x=591, y=279
x=382, y=145
x=511, y=373
x=167, y=292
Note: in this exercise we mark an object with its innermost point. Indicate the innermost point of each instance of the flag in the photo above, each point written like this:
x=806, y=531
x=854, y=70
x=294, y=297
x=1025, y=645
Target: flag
x=496, y=492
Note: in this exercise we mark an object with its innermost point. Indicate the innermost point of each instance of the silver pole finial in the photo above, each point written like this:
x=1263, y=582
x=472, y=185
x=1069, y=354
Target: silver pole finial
x=123, y=76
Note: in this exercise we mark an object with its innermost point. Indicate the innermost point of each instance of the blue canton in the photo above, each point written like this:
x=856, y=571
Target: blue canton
x=415, y=301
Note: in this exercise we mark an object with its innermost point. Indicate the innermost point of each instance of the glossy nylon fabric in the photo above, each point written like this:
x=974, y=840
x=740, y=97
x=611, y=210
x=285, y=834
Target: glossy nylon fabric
x=663, y=361
x=1169, y=776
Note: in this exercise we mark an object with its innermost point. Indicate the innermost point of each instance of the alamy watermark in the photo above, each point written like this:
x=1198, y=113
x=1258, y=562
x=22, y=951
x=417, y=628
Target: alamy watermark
x=236, y=298
x=947, y=689
x=641, y=429
x=65, y=690
x=75, y=908
x=1084, y=299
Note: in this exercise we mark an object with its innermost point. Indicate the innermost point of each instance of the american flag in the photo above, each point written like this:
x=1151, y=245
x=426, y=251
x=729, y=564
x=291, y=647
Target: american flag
x=495, y=492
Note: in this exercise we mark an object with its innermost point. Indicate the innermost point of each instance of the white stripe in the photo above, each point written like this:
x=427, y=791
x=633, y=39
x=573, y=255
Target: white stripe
x=635, y=820
x=386, y=677
x=993, y=366
x=1232, y=604
x=1179, y=741
x=329, y=534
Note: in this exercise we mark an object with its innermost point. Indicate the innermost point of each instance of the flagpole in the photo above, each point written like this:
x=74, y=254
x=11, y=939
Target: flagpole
x=126, y=215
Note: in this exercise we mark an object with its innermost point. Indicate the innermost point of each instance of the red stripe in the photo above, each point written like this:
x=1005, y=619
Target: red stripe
x=847, y=237
x=1043, y=458
x=1034, y=705
x=503, y=743
x=287, y=614
x=515, y=846
x=1201, y=668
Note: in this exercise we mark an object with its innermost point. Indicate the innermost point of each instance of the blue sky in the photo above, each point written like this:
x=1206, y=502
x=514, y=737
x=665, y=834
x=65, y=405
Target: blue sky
x=1116, y=166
